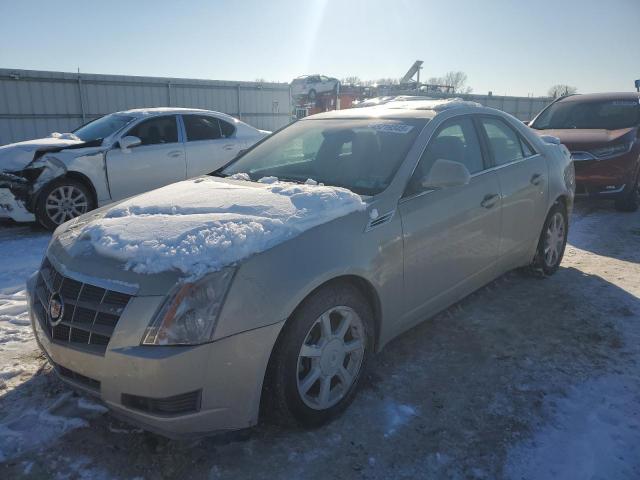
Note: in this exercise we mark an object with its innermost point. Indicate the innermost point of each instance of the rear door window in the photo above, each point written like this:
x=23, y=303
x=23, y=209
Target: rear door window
x=504, y=142
x=201, y=127
x=227, y=129
x=157, y=130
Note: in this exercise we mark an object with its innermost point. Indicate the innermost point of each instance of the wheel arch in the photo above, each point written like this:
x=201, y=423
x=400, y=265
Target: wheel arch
x=86, y=181
x=74, y=175
x=364, y=286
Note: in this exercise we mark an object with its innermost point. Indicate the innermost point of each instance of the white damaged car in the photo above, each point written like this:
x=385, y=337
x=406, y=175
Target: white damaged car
x=55, y=179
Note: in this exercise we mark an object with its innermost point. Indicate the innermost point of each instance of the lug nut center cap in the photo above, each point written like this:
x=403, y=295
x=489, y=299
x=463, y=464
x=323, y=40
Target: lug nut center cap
x=332, y=356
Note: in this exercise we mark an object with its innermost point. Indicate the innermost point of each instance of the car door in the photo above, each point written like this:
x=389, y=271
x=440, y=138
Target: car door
x=159, y=159
x=210, y=143
x=451, y=235
x=523, y=177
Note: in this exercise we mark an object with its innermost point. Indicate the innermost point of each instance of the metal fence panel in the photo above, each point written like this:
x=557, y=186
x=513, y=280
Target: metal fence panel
x=35, y=103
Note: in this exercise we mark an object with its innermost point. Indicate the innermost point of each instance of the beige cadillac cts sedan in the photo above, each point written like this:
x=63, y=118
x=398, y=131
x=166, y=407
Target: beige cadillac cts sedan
x=449, y=195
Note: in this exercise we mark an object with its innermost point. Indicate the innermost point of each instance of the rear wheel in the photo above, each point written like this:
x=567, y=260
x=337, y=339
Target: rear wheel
x=631, y=200
x=62, y=200
x=320, y=357
x=553, y=240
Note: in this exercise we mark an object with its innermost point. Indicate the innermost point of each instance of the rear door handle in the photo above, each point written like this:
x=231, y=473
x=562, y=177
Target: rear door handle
x=174, y=154
x=536, y=179
x=489, y=200
x=229, y=147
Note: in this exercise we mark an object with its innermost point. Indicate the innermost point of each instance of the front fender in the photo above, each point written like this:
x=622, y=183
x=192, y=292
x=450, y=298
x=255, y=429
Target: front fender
x=269, y=286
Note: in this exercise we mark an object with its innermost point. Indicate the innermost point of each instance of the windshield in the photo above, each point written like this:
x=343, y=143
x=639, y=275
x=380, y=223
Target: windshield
x=361, y=155
x=102, y=127
x=608, y=115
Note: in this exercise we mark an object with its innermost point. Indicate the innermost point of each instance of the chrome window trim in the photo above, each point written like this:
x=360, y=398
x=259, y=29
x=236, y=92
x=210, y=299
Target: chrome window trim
x=473, y=175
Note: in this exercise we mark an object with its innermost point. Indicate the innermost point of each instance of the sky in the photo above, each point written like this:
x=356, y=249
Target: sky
x=509, y=47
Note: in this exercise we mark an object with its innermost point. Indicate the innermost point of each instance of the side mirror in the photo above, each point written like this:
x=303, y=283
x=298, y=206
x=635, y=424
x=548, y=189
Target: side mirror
x=446, y=173
x=129, y=142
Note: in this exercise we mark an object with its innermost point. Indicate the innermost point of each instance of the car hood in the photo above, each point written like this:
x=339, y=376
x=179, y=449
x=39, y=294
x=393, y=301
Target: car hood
x=16, y=156
x=584, y=139
x=202, y=225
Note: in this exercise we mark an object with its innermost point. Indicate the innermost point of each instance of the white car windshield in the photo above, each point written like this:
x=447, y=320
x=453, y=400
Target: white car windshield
x=361, y=154
x=102, y=127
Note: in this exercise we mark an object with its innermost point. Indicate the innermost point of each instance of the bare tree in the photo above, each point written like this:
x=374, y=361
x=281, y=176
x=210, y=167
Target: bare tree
x=560, y=90
x=388, y=81
x=457, y=80
x=351, y=80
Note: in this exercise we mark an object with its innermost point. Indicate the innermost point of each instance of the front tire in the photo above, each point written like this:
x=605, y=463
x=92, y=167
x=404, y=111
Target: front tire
x=320, y=357
x=553, y=240
x=61, y=201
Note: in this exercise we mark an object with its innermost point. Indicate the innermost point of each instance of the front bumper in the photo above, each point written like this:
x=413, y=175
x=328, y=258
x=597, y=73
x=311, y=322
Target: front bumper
x=226, y=374
x=607, y=178
x=12, y=208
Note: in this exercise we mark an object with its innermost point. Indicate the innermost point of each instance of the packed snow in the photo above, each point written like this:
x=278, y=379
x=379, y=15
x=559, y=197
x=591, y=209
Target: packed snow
x=66, y=136
x=199, y=226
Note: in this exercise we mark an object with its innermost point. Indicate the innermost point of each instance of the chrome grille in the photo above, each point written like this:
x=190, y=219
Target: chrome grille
x=90, y=313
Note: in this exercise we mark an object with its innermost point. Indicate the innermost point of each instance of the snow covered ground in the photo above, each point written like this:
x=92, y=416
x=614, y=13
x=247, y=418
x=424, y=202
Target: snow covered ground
x=528, y=378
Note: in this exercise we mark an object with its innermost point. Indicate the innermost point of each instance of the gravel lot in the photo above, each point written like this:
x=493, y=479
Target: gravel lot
x=528, y=378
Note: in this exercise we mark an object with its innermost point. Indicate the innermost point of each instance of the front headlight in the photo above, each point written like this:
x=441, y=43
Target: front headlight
x=189, y=315
x=611, y=150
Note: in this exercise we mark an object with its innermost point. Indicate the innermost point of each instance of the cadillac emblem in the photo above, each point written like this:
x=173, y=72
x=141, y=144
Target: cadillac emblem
x=56, y=309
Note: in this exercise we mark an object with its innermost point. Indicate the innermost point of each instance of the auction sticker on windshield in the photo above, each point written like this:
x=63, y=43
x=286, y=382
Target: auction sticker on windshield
x=391, y=127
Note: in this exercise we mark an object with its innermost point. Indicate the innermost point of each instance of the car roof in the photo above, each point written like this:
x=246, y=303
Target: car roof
x=143, y=112
x=404, y=108
x=599, y=97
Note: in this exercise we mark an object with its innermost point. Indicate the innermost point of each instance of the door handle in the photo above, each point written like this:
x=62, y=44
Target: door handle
x=536, y=179
x=228, y=147
x=489, y=200
x=174, y=154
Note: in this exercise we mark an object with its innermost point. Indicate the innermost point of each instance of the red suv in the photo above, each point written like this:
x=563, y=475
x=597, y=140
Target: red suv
x=602, y=131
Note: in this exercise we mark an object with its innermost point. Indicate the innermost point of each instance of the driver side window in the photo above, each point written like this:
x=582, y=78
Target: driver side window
x=456, y=141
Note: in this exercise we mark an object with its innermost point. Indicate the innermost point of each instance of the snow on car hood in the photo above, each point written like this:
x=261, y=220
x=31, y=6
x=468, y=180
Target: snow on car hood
x=16, y=156
x=202, y=225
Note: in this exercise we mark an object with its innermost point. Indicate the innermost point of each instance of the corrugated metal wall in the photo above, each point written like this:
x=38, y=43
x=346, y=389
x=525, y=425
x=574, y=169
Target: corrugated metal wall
x=34, y=103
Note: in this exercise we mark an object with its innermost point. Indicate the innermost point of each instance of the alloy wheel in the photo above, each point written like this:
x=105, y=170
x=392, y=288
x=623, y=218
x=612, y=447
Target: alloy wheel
x=554, y=239
x=330, y=357
x=66, y=202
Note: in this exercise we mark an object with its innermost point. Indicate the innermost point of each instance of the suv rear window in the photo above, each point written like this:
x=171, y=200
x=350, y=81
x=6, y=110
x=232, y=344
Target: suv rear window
x=608, y=115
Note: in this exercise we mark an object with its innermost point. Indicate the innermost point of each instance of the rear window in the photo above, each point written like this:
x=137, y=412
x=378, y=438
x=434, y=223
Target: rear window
x=608, y=115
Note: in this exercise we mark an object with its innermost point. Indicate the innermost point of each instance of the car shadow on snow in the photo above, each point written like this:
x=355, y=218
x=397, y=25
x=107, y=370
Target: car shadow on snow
x=597, y=227
x=448, y=398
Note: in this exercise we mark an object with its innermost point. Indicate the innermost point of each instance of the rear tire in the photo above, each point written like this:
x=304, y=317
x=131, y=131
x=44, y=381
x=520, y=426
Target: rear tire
x=311, y=378
x=631, y=200
x=61, y=201
x=553, y=240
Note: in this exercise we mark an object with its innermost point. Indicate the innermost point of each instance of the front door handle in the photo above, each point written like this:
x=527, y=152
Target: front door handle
x=489, y=200
x=228, y=147
x=536, y=179
x=174, y=154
